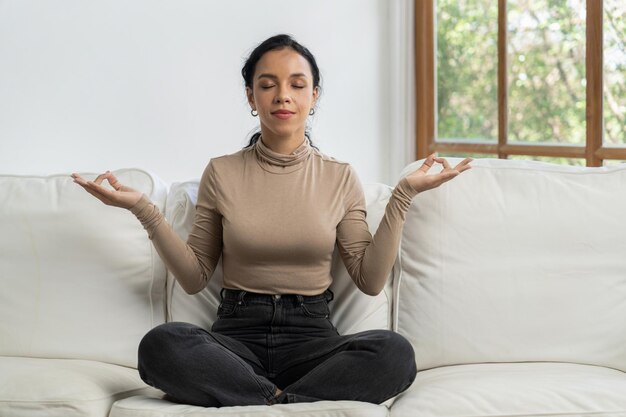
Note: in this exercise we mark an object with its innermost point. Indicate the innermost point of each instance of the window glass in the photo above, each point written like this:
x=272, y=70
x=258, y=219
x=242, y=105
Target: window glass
x=546, y=71
x=614, y=27
x=553, y=160
x=467, y=68
x=465, y=155
x=612, y=162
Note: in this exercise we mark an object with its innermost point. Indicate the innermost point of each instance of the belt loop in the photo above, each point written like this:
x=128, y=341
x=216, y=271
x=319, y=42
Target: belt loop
x=222, y=294
x=241, y=295
x=300, y=299
x=332, y=295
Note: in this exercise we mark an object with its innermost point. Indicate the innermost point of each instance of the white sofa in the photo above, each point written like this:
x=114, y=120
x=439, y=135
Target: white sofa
x=510, y=283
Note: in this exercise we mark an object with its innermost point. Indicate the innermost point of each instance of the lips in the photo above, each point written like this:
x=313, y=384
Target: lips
x=283, y=114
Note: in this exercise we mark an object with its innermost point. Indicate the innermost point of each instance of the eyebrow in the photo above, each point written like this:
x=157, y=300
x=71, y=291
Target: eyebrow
x=272, y=76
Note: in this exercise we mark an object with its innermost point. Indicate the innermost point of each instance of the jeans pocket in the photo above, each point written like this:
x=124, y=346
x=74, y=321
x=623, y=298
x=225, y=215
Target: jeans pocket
x=226, y=308
x=316, y=309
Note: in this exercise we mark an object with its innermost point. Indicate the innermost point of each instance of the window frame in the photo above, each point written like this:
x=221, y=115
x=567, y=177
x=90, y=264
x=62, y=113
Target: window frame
x=593, y=151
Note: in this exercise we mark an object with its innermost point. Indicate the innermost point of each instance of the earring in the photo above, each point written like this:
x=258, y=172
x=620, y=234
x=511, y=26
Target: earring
x=253, y=114
x=312, y=112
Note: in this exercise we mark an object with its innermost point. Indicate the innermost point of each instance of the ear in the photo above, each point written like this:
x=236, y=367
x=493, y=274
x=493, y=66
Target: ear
x=316, y=93
x=250, y=97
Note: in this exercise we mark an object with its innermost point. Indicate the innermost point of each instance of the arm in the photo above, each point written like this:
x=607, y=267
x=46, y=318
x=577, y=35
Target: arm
x=370, y=259
x=192, y=262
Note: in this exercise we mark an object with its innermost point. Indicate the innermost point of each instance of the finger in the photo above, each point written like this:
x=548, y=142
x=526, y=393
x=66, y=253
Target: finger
x=96, y=194
x=465, y=168
x=447, y=176
x=114, y=182
x=429, y=162
x=444, y=162
x=98, y=191
x=104, y=192
x=101, y=178
x=80, y=180
x=463, y=165
x=77, y=177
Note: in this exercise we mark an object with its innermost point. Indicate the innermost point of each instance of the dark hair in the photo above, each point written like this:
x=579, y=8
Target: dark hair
x=278, y=42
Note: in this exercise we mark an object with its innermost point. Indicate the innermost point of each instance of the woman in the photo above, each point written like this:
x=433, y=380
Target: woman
x=274, y=212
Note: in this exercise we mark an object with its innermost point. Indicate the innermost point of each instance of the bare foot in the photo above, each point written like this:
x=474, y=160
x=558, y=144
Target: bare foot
x=278, y=391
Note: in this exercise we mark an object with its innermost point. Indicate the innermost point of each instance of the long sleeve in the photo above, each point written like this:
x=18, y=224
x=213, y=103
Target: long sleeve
x=194, y=261
x=369, y=259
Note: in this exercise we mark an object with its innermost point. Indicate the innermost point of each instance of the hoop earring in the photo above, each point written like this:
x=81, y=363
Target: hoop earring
x=252, y=113
x=312, y=112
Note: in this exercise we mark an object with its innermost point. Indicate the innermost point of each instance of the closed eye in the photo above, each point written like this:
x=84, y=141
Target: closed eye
x=265, y=87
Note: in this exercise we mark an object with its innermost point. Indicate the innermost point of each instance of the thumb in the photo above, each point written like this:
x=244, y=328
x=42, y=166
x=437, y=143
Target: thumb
x=112, y=179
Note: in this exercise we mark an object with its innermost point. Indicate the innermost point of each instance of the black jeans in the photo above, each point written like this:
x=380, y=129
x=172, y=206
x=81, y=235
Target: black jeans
x=261, y=342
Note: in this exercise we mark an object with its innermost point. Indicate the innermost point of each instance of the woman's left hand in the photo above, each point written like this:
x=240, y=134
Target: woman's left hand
x=420, y=181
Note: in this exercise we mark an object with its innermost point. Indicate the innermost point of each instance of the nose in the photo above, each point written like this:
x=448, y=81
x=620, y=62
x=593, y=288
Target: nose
x=282, y=97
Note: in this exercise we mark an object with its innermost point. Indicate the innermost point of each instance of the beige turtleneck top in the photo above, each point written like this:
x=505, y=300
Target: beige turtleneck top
x=275, y=220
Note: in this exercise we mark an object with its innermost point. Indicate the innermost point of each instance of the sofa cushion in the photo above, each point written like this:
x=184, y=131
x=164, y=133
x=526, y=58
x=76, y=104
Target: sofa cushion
x=79, y=279
x=351, y=310
x=515, y=389
x=516, y=261
x=145, y=406
x=33, y=387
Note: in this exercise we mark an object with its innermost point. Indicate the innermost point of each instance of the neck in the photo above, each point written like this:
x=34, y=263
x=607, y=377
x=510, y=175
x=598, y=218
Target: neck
x=282, y=144
x=282, y=163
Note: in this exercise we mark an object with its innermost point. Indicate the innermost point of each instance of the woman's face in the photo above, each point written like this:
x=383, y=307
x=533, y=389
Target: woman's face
x=282, y=81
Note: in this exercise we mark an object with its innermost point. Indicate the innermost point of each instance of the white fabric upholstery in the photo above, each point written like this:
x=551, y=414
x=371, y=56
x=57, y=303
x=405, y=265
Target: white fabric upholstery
x=515, y=389
x=152, y=407
x=34, y=387
x=517, y=261
x=351, y=310
x=79, y=279
x=520, y=263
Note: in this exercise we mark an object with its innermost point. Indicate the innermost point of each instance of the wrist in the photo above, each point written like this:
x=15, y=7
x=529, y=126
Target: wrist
x=406, y=186
x=143, y=202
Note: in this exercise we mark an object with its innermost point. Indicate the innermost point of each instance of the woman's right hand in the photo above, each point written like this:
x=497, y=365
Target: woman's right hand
x=121, y=195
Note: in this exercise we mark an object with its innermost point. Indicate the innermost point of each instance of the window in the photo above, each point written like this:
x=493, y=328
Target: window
x=522, y=79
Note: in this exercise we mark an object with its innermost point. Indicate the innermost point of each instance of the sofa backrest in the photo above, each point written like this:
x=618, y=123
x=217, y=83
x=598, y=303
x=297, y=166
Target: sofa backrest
x=79, y=279
x=516, y=261
x=351, y=310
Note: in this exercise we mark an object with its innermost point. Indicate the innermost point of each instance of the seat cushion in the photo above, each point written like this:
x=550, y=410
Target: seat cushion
x=351, y=310
x=516, y=261
x=144, y=406
x=33, y=387
x=79, y=279
x=515, y=389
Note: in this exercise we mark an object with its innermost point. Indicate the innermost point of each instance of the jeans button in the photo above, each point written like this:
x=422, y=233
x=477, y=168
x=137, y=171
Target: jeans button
x=276, y=296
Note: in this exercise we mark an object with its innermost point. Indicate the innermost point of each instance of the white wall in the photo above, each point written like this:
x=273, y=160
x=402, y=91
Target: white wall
x=91, y=86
